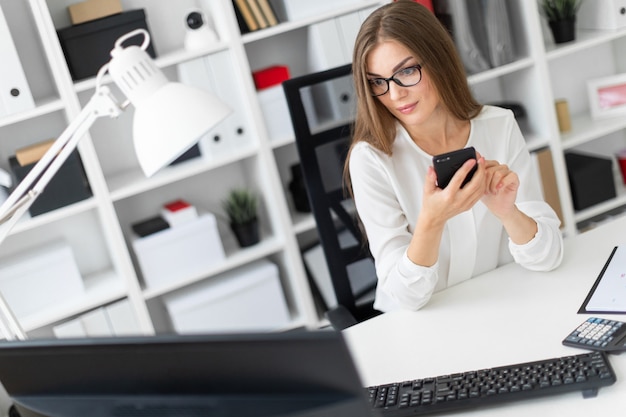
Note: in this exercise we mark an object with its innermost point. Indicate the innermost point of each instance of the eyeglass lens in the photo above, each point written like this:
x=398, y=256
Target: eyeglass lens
x=406, y=77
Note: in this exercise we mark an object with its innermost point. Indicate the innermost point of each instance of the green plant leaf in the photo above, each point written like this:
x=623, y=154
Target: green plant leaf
x=240, y=206
x=555, y=10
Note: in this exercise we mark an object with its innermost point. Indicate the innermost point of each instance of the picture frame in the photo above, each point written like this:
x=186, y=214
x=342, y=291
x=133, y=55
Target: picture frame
x=607, y=96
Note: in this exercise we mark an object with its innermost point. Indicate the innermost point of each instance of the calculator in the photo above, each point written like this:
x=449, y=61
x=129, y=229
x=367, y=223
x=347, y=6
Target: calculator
x=599, y=334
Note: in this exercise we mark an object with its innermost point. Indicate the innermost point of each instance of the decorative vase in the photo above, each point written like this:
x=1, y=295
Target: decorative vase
x=563, y=30
x=247, y=233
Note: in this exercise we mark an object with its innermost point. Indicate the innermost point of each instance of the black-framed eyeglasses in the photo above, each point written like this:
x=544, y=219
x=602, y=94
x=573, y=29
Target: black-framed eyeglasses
x=405, y=77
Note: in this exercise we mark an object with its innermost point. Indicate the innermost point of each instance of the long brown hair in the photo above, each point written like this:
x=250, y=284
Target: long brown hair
x=417, y=28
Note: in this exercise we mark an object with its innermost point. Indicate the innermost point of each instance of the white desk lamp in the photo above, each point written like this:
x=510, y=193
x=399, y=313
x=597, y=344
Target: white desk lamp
x=169, y=118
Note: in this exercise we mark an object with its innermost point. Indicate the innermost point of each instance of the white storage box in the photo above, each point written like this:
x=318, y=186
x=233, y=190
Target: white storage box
x=185, y=250
x=41, y=277
x=601, y=14
x=275, y=112
x=301, y=9
x=246, y=299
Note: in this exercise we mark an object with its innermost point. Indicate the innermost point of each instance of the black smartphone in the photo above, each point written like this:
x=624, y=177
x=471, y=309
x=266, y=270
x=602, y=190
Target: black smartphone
x=447, y=164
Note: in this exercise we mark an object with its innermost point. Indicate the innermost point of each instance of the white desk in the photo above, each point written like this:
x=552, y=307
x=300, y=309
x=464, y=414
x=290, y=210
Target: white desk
x=509, y=315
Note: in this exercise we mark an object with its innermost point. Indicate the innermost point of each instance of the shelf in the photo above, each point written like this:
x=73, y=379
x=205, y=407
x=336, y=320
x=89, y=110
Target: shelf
x=303, y=222
x=604, y=207
x=30, y=223
x=240, y=257
x=42, y=108
x=100, y=288
x=493, y=73
x=301, y=23
x=162, y=61
x=130, y=183
x=585, y=129
x=585, y=39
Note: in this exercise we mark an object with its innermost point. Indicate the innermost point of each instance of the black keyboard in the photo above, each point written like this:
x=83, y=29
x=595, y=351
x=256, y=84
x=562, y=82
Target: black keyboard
x=585, y=372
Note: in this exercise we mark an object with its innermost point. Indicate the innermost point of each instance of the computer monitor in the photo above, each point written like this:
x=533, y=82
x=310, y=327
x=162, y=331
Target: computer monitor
x=298, y=373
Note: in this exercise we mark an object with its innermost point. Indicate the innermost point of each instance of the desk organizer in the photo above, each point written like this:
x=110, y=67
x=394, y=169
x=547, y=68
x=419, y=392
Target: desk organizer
x=35, y=279
x=247, y=299
x=185, y=250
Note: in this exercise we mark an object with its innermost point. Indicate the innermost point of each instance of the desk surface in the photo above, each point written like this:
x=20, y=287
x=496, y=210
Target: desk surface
x=509, y=315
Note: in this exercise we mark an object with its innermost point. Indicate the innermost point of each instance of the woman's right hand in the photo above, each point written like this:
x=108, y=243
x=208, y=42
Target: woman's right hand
x=443, y=204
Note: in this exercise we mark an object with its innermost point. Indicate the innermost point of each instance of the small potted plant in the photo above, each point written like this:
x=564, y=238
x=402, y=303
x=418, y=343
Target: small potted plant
x=241, y=208
x=561, y=17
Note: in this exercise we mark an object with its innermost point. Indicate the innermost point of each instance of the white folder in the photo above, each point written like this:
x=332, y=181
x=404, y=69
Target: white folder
x=15, y=94
x=467, y=46
x=96, y=323
x=330, y=45
x=228, y=88
x=215, y=73
x=196, y=74
x=498, y=30
x=122, y=318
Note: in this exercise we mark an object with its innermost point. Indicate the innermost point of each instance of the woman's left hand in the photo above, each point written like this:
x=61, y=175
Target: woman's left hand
x=501, y=189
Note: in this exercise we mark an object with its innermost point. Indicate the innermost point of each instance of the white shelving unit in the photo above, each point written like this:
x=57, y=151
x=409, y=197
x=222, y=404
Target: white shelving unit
x=99, y=229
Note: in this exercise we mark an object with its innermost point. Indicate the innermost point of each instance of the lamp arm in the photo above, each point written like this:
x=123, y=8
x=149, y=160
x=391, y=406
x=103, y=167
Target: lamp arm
x=101, y=104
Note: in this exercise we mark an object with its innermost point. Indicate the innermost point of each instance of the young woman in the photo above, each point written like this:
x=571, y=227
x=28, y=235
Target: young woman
x=414, y=103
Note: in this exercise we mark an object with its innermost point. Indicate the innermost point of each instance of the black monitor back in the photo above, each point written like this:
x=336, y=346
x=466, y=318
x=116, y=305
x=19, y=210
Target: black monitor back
x=298, y=373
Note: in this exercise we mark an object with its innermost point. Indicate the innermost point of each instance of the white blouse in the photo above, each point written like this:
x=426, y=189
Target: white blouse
x=388, y=196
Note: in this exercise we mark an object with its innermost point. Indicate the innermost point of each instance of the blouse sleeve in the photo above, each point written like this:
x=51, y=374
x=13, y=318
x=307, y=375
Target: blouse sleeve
x=401, y=283
x=545, y=251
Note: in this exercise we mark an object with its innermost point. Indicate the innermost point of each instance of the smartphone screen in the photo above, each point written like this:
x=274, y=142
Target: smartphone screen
x=448, y=163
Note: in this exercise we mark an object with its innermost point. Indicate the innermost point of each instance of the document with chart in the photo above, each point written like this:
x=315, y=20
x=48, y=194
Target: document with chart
x=608, y=294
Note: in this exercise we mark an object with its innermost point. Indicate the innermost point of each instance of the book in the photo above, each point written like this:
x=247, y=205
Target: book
x=246, y=15
x=548, y=181
x=258, y=14
x=268, y=12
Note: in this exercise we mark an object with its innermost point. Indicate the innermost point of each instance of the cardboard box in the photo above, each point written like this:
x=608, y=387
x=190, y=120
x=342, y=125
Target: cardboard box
x=591, y=179
x=38, y=278
x=87, y=47
x=182, y=251
x=93, y=9
x=246, y=299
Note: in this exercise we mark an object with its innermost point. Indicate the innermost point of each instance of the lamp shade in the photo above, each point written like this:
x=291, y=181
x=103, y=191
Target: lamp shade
x=170, y=117
x=172, y=121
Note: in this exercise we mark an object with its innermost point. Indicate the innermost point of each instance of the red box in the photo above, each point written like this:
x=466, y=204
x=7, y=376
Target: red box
x=426, y=3
x=271, y=76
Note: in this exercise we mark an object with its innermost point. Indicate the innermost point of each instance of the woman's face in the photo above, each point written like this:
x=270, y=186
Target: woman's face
x=413, y=105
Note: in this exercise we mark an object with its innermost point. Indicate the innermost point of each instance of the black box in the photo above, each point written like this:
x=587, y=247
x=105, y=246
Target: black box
x=590, y=178
x=69, y=185
x=87, y=46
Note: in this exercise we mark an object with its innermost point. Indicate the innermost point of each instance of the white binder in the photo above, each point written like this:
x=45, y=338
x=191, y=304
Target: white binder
x=467, y=46
x=330, y=45
x=228, y=88
x=498, y=31
x=602, y=14
x=215, y=73
x=15, y=95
